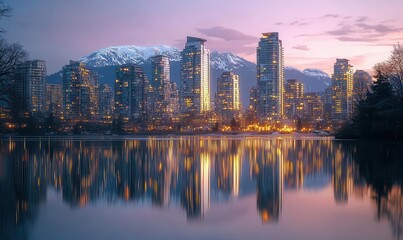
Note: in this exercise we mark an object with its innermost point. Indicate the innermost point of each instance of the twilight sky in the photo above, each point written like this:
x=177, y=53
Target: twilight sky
x=314, y=32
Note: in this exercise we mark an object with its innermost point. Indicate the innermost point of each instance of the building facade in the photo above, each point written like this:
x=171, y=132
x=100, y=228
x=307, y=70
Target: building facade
x=131, y=94
x=270, y=77
x=105, y=102
x=293, y=99
x=313, y=107
x=164, y=100
x=80, y=93
x=30, y=85
x=195, y=78
x=227, y=98
x=54, y=99
x=342, y=90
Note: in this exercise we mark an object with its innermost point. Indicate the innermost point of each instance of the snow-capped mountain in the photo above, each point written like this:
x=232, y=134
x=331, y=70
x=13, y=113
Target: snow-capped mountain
x=228, y=61
x=315, y=80
x=317, y=73
x=119, y=55
x=128, y=54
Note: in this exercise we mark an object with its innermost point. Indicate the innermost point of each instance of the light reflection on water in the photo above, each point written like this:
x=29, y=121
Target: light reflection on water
x=195, y=174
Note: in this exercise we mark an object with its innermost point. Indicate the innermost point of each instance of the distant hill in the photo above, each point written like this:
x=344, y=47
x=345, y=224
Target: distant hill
x=104, y=61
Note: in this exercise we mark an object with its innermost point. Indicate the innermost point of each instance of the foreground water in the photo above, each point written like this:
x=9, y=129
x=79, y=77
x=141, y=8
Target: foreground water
x=200, y=188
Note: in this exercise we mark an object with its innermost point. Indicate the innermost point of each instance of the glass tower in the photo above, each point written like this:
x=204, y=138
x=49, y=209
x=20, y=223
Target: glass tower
x=163, y=102
x=195, y=78
x=270, y=77
x=30, y=86
x=342, y=90
x=131, y=93
x=227, y=102
x=80, y=93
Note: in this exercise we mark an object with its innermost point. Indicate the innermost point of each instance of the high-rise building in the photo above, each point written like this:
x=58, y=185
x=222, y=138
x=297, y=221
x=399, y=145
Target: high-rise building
x=163, y=102
x=313, y=106
x=131, y=93
x=195, y=78
x=342, y=90
x=54, y=99
x=293, y=99
x=270, y=77
x=173, y=106
x=80, y=93
x=105, y=102
x=362, y=82
x=253, y=101
x=30, y=86
x=327, y=103
x=227, y=102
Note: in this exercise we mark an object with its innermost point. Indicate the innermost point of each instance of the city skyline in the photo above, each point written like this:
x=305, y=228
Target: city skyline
x=361, y=32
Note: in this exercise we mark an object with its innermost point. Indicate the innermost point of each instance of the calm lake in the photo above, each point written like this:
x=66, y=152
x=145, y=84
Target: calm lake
x=200, y=188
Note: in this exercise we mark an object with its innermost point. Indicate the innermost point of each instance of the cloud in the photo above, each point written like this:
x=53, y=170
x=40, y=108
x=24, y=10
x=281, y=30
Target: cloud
x=362, y=19
x=301, y=47
x=344, y=30
x=357, y=39
x=331, y=16
x=299, y=23
x=379, y=28
x=356, y=30
x=227, y=34
x=278, y=23
x=221, y=36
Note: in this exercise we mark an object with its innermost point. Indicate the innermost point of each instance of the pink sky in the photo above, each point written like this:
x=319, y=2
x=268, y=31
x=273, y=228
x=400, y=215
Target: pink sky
x=314, y=32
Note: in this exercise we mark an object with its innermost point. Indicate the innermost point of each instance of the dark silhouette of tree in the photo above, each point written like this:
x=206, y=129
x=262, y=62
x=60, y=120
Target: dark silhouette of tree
x=29, y=127
x=299, y=124
x=234, y=124
x=10, y=56
x=51, y=124
x=216, y=127
x=117, y=125
x=393, y=69
x=378, y=114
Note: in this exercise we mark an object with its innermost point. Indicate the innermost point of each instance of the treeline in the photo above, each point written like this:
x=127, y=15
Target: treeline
x=379, y=115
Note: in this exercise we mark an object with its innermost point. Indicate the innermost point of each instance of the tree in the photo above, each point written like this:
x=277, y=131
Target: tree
x=234, y=124
x=393, y=69
x=216, y=127
x=117, y=125
x=10, y=56
x=299, y=124
x=51, y=124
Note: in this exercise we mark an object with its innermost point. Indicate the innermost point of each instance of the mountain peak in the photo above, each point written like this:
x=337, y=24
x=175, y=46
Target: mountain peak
x=228, y=61
x=119, y=55
x=315, y=73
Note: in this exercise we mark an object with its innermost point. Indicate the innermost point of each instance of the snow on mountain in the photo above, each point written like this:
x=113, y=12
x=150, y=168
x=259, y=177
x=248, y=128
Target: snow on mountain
x=128, y=54
x=135, y=54
x=228, y=61
x=315, y=73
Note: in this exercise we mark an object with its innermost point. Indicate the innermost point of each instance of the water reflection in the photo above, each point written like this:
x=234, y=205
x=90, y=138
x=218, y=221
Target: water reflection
x=193, y=173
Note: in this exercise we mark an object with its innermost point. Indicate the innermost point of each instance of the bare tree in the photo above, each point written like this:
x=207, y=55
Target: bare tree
x=10, y=56
x=393, y=68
